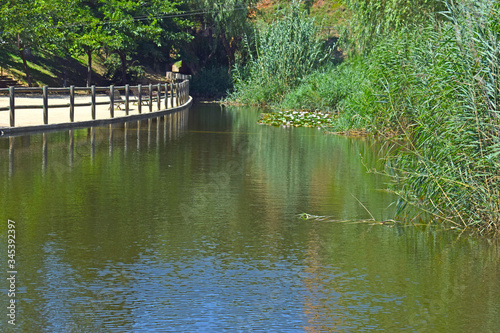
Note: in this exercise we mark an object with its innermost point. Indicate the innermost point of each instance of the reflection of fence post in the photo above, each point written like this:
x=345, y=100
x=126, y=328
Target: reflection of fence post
x=45, y=96
x=92, y=92
x=127, y=92
x=150, y=97
x=72, y=103
x=112, y=101
x=139, y=98
x=12, y=98
x=159, y=97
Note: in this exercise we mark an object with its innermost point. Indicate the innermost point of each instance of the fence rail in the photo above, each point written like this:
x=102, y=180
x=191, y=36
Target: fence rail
x=164, y=95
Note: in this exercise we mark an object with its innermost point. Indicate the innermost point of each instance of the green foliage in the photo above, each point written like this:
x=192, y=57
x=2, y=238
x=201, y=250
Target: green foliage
x=438, y=85
x=227, y=21
x=126, y=32
x=285, y=51
x=324, y=89
x=370, y=18
x=114, y=71
x=30, y=24
x=76, y=27
x=435, y=85
x=228, y=18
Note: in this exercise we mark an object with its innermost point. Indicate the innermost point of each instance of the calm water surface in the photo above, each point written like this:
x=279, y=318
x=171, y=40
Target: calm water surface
x=190, y=224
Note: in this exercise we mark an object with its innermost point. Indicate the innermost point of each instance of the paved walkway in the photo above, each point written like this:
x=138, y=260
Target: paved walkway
x=34, y=117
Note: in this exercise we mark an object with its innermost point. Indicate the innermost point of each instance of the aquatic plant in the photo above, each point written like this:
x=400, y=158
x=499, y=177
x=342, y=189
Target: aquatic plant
x=298, y=118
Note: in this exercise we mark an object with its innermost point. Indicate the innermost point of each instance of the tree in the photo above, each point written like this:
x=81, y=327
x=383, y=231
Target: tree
x=86, y=35
x=30, y=24
x=127, y=23
x=227, y=20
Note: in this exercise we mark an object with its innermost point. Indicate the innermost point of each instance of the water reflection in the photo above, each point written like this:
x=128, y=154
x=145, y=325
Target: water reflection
x=191, y=225
x=174, y=125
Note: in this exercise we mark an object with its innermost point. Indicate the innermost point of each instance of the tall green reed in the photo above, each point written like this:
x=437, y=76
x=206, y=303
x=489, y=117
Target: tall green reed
x=438, y=85
x=283, y=53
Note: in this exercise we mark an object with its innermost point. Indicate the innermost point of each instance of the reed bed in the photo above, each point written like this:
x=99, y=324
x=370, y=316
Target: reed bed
x=432, y=83
x=281, y=54
x=438, y=85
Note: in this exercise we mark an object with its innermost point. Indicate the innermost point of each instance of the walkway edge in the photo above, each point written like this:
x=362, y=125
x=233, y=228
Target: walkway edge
x=21, y=130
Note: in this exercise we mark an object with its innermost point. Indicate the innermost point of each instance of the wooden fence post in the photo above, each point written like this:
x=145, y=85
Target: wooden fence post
x=72, y=103
x=183, y=92
x=12, y=98
x=112, y=101
x=177, y=94
x=45, y=96
x=139, y=101
x=171, y=95
x=127, y=92
x=159, y=96
x=166, y=96
x=180, y=93
x=92, y=90
x=150, y=97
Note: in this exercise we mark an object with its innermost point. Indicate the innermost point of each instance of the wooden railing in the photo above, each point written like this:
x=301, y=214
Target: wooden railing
x=165, y=95
x=171, y=76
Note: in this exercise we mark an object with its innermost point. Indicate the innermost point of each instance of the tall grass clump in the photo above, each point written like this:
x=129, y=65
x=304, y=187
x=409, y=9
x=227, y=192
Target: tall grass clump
x=438, y=85
x=281, y=54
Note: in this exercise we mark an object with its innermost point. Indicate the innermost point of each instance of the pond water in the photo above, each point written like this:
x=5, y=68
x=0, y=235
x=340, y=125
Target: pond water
x=191, y=224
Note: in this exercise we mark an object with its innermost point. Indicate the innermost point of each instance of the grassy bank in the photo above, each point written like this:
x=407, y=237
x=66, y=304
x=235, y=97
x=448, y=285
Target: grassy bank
x=437, y=85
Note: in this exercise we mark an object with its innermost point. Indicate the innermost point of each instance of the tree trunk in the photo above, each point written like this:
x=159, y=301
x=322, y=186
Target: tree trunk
x=89, y=68
x=25, y=63
x=123, y=58
x=230, y=48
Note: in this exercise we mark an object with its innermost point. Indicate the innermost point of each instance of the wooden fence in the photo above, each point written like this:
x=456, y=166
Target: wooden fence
x=165, y=95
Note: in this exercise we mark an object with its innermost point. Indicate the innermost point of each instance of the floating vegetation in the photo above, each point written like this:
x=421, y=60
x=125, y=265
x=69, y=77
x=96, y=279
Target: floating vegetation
x=298, y=118
x=325, y=218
